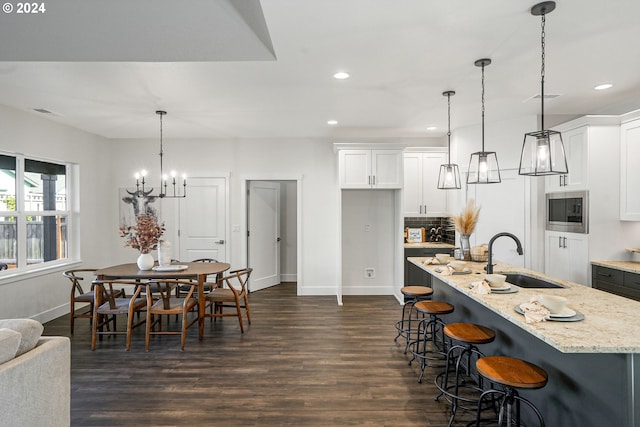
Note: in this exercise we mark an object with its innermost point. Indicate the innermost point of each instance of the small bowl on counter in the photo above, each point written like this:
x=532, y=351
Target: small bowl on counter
x=495, y=280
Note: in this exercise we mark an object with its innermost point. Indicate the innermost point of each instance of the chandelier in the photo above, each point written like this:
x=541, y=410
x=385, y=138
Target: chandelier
x=167, y=182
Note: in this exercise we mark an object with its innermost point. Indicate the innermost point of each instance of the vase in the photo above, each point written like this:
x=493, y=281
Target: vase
x=465, y=247
x=145, y=262
x=164, y=253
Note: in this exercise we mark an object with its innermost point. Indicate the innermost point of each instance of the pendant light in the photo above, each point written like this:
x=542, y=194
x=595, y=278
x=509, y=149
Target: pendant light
x=483, y=165
x=543, y=151
x=449, y=177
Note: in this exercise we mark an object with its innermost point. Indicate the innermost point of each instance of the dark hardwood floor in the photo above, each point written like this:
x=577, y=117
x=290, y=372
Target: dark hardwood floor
x=304, y=361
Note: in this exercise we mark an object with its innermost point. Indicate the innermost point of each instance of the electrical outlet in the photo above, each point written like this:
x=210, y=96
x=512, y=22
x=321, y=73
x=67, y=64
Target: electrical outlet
x=369, y=273
x=367, y=227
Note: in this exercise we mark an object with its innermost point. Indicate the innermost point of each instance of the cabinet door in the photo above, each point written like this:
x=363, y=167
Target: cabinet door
x=576, y=149
x=629, y=171
x=567, y=256
x=412, y=190
x=386, y=168
x=434, y=200
x=355, y=168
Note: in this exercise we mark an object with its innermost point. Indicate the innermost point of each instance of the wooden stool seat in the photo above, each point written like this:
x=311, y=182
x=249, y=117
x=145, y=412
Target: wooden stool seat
x=512, y=372
x=416, y=291
x=469, y=333
x=434, y=307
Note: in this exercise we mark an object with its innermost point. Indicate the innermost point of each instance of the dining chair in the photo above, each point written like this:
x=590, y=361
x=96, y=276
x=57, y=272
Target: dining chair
x=107, y=307
x=233, y=294
x=78, y=294
x=208, y=286
x=166, y=304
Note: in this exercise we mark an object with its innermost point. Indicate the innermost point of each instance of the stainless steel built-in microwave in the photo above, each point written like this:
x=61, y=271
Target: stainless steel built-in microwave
x=568, y=211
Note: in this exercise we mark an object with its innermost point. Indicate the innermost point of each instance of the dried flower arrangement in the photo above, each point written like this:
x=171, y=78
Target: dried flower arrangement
x=144, y=235
x=466, y=222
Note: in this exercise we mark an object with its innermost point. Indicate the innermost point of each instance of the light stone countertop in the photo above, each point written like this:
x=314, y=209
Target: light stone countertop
x=611, y=323
x=429, y=245
x=630, y=266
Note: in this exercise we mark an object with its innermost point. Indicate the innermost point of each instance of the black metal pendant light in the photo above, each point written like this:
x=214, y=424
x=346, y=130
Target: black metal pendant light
x=449, y=177
x=483, y=165
x=543, y=151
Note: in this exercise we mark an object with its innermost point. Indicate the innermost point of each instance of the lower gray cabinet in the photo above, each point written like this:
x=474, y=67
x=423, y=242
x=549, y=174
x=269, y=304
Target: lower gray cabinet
x=414, y=275
x=617, y=282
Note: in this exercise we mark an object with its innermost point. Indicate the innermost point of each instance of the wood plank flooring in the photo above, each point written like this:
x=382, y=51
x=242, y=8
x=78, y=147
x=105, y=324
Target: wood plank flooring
x=304, y=361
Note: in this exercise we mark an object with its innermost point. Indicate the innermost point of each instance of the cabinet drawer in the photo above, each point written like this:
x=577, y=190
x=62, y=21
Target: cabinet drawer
x=411, y=252
x=610, y=275
x=618, y=290
x=632, y=280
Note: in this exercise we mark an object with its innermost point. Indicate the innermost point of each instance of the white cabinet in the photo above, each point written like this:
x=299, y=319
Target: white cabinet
x=629, y=171
x=576, y=149
x=370, y=168
x=567, y=256
x=421, y=194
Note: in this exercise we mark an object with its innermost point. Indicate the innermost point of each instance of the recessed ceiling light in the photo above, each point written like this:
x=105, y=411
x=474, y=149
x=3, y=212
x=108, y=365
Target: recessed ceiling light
x=432, y=128
x=341, y=75
x=603, y=86
x=332, y=122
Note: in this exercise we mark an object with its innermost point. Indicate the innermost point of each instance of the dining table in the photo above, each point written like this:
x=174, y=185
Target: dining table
x=178, y=270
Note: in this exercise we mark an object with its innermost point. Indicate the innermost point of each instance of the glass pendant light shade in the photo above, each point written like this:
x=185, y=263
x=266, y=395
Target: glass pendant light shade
x=483, y=165
x=449, y=177
x=543, y=151
x=483, y=168
x=543, y=154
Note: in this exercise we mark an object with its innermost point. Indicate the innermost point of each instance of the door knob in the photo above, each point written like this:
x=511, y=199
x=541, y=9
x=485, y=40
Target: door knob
x=219, y=242
x=278, y=239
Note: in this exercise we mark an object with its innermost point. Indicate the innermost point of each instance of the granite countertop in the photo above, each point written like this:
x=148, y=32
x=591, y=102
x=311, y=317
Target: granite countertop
x=630, y=266
x=610, y=325
x=429, y=245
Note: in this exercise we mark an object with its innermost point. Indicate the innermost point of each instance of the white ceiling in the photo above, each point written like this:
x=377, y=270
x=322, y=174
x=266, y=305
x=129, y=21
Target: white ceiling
x=249, y=68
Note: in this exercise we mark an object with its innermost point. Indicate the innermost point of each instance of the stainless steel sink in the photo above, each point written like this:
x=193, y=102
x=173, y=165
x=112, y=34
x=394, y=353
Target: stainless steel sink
x=525, y=281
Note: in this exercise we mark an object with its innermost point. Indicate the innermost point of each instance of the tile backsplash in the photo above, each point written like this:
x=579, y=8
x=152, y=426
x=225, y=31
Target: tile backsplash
x=438, y=229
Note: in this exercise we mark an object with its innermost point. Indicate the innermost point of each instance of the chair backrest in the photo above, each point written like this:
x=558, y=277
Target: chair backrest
x=205, y=260
x=77, y=275
x=237, y=280
x=163, y=288
x=107, y=294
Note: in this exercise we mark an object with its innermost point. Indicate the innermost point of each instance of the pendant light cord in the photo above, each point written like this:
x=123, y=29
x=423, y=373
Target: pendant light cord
x=483, y=107
x=449, y=127
x=542, y=70
x=161, y=113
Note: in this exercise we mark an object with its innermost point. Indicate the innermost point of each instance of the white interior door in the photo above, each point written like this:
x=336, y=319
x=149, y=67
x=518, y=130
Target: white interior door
x=202, y=216
x=264, y=234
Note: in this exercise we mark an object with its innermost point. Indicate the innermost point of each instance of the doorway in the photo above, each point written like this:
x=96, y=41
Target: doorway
x=272, y=232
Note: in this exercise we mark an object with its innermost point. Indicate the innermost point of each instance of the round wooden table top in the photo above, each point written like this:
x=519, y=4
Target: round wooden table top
x=131, y=271
x=512, y=372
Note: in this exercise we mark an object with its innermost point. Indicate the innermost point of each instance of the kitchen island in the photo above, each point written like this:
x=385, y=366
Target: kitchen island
x=593, y=364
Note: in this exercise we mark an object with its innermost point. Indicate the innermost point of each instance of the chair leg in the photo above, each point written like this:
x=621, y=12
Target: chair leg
x=239, y=316
x=183, y=336
x=147, y=335
x=71, y=315
x=246, y=307
x=94, y=330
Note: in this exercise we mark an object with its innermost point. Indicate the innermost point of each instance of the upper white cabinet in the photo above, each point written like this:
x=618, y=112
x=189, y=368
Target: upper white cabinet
x=421, y=194
x=370, y=168
x=576, y=146
x=629, y=171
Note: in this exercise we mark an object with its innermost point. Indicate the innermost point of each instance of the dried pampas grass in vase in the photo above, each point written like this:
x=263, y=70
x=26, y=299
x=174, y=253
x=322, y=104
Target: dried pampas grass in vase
x=465, y=223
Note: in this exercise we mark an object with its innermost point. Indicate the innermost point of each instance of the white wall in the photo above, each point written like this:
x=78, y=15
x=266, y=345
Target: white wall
x=313, y=160
x=288, y=231
x=505, y=138
x=45, y=295
x=369, y=239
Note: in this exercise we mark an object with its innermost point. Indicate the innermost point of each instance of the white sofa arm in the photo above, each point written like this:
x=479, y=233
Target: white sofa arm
x=36, y=386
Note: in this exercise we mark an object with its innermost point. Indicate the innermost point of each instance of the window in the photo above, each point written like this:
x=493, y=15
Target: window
x=34, y=212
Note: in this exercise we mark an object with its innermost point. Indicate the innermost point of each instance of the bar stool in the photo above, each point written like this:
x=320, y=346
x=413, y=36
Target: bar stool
x=412, y=294
x=428, y=329
x=512, y=374
x=463, y=390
